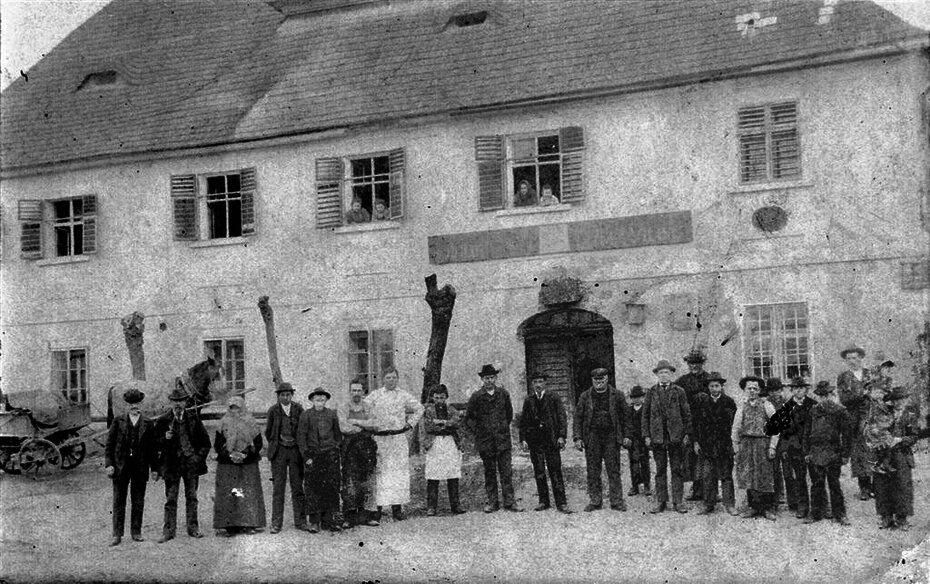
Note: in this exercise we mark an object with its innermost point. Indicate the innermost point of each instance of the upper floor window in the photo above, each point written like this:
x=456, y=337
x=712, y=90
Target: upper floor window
x=777, y=340
x=230, y=354
x=530, y=170
x=370, y=352
x=69, y=374
x=70, y=225
x=360, y=189
x=769, y=148
x=224, y=203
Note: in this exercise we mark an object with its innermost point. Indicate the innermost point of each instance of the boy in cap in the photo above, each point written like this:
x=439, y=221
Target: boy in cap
x=712, y=419
x=600, y=417
x=440, y=442
x=637, y=452
x=129, y=454
x=488, y=418
x=894, y=489
x=754, y=450
x=666, y=429
x=281, y=433
x=827, y=444
x=543, y=429
x=850, y=386
x=694, y=382
x=318, y=439
x=789, y=423
x=183, y=445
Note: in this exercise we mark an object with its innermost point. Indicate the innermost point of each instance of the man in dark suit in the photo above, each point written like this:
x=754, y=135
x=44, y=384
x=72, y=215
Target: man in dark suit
x=694, y=382
x=636, y=446
x=183, y=446
x=712, y=420
x=851, y=388
x=827, y=442
x=789, y=422
x=600, y=417
x=281, y=435
x=129, y=454
x=667, y=431
x=543, y=429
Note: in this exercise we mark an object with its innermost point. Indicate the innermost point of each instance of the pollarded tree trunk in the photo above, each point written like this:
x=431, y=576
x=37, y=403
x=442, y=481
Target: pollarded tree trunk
x=441, y=302
x=133, y=329
x=268, y=316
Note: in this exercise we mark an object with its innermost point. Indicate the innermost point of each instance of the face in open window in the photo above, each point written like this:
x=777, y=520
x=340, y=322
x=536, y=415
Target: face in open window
x=536, y=164
x=371, y=184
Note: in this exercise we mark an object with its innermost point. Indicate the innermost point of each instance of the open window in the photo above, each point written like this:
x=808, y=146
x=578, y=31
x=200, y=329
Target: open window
x=214, y=206
x=354, y=190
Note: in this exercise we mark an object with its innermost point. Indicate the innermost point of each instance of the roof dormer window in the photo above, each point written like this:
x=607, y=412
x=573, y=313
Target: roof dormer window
x=97, y=79
x=468, y=19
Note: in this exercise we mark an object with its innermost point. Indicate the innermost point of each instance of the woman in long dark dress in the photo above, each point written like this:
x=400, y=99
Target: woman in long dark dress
x=239, y=506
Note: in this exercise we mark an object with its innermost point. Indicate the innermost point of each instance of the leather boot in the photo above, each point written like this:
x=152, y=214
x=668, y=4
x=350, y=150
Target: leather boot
x=432, y=496
x=453, y=486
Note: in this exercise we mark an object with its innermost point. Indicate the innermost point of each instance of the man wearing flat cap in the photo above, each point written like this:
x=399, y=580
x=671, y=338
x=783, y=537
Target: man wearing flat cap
x=129, y=454
x=712, y=419
x=183, y=445
x=755, y=450
x=894, y=488
x=789, y=423
x=281, y=434
x=599, y=430
x=851, y=388
x=543, y=430
x=827, y=444
x=666, y=429
x=488, y=418
x=694, y=382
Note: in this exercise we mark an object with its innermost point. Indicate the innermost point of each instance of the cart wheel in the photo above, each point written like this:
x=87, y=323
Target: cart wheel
x=72, y=455
x=38, y=456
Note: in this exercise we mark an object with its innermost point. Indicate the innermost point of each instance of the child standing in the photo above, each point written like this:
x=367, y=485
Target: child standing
x=443, y=455
x=637, y=452
x=318, y=438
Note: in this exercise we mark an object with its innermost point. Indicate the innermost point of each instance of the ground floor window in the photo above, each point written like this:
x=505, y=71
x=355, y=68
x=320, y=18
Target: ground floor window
x=69, y=374
x=777, y=340
x=370, y=352
x=230, y=353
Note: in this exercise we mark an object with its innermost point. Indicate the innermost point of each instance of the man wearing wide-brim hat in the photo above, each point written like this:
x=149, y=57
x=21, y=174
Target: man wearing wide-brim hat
x=638, y=454
x=318, y=439
x=281, y=434
x=827, y=442
x=894, y=489
x=183, y=445
x=129, y=455
x=755, y=450
x=851, y=388
x=713, y=417
x=667, y=431
x=789, y=423
x=694, y=382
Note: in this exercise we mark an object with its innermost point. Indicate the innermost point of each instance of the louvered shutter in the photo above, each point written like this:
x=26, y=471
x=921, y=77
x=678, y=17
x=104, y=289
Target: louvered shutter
x=247, y=191
x=90, y=223
x=184, y=201
x=398, y=184
x=30, y=217
x=489, y=153
x=785, y=148
x=752, y=150
x=329, y=184
x=571, y=143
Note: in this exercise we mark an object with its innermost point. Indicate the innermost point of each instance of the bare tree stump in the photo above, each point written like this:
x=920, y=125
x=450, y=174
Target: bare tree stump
x=441, y=302
x=268, y=316
x=133, y=329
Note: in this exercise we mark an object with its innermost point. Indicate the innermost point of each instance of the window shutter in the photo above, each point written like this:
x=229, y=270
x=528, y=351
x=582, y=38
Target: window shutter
x=786, y=153
x=90, y=224
x=489, y=153
x=398, y=184
x=184, y=200
x=30, y=217
x=571, y=143
x=247, y=191
x=329, y=181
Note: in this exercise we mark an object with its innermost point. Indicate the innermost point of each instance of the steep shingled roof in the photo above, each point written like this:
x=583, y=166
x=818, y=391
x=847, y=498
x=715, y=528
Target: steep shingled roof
x=192, y=74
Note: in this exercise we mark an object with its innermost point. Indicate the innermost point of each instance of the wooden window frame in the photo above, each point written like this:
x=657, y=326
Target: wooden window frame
x=534, y=162
x=225, y=199
x=772, y=343
x=191, y=213
x=77, y=394
x=375, y=359
x=761, y=122
x=335, y=182
x=227, y=364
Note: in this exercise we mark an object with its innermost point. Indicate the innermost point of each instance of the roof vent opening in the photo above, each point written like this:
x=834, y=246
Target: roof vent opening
x=96, y=79
x=469, y=19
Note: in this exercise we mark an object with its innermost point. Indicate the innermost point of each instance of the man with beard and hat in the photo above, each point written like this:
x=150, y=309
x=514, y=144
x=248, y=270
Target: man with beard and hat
x=488, y=418
x=359, y=456
x=543, y=429
x=281, y=434
x=694, y=382
x=789, y=423
x=754, y=450
x=894, y=487
x=183, y=446
x=666, y=429
x=712, y=419
x=851, y=388
x=637, y=452
x=600, y=417
x=827, y=442
x=129, y=454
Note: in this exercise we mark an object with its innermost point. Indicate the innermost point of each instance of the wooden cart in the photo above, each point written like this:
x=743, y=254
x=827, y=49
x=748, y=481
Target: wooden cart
x=39, y=433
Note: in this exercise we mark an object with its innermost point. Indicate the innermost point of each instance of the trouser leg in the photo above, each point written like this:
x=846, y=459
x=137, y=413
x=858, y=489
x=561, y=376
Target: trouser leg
x=837, y=501
x=432, y=494
x=120, y=489
x=137, y=503
x=818, y=491
x=191, y=482
x=489, y=460
x=554, y=464
x=295, y=471
x=172, y=489
x=676, y=462
x=660, y=453
x=538, y=458
x=278, y=487
x=614, y=474
x=505, y=468
x=708, y=481
x=452, y=485
x=594, y=454
x=778, y=478
x=799, y=477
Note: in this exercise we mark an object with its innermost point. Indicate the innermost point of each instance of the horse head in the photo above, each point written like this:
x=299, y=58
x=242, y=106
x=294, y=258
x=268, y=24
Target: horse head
x=204, y=379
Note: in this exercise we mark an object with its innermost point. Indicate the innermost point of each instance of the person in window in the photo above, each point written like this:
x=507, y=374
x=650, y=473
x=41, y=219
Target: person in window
x=525, y=195
x=382, y=211
x=547, y=199
x=440, y=441
x=239, y=505
x=357, y=214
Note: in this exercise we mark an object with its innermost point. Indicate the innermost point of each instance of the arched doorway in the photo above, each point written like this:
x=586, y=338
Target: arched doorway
x=566, y=344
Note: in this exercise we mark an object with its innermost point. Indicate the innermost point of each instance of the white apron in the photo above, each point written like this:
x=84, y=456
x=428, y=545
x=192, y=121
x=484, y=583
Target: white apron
x=443, y=460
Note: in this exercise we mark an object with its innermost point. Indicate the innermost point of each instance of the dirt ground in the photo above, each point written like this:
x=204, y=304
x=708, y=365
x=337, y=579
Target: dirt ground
x=58, y=530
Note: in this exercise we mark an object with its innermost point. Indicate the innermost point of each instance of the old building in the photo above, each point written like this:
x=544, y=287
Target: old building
x=750, y=177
